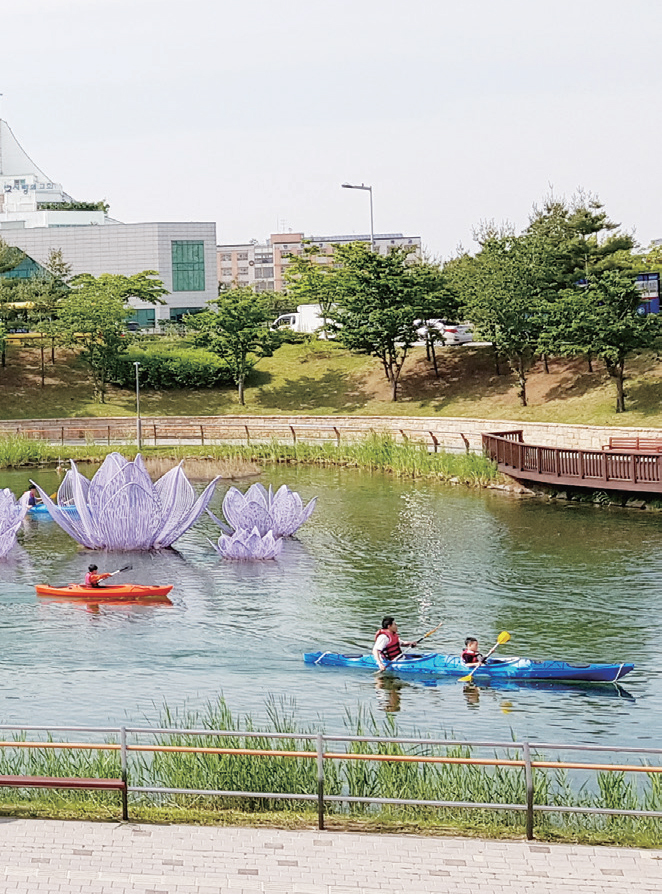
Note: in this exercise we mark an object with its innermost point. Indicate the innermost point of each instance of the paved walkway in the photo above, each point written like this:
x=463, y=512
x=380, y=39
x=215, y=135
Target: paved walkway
x=94, y=858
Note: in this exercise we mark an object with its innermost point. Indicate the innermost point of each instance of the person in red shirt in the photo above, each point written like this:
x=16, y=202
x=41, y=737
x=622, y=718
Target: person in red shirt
x=470, y=653
x=92, y=579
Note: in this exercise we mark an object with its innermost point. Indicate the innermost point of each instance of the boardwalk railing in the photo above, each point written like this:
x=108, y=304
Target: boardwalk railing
x=606, y=469
x=527, y=757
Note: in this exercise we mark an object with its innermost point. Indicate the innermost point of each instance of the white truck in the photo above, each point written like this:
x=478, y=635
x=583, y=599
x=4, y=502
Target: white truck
x=308, y=318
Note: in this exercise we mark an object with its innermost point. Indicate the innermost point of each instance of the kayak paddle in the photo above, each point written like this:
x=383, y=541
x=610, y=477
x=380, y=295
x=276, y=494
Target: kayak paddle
x=503, y=637
x=120, y=570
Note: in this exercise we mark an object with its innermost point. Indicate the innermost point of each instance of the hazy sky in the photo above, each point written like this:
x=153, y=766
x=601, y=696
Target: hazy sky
x=252, y=114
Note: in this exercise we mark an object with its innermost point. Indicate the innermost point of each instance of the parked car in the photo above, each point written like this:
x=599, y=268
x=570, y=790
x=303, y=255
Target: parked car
x=453, y=333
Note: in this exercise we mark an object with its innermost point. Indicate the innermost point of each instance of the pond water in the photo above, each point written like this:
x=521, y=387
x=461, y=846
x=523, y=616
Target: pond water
x=566, y=580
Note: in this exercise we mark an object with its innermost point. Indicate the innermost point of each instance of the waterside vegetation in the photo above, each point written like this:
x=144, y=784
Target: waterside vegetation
x=375, y=453
x=360, y=778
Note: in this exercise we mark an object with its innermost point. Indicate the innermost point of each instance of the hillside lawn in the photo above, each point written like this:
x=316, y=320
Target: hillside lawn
x=322, y=378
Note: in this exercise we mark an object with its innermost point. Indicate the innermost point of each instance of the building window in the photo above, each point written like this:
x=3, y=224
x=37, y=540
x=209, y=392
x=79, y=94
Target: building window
x=242, y=255
x=226, y=257
x=188, y=266
x=226, y=271
x=178, y=313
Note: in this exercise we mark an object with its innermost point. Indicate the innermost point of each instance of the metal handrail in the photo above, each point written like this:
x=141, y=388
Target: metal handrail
x=527, y=761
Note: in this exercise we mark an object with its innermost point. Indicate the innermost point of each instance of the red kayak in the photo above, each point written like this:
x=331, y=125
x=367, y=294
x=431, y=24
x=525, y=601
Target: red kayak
x=115, y=592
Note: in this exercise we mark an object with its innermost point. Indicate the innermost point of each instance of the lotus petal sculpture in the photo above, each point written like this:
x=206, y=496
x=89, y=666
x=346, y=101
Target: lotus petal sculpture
x=121, y=508
x=248, y=545
x=281, y=513
x=12, y=513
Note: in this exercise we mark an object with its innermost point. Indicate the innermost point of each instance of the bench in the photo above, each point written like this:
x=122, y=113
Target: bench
x=74, y=782
x=635, y=443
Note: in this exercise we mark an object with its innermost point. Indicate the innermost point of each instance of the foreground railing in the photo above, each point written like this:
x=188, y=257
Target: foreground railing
x=324, y=750
x=634, y=470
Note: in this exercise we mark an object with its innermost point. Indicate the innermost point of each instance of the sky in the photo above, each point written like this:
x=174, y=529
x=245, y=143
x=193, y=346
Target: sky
x=252, y=115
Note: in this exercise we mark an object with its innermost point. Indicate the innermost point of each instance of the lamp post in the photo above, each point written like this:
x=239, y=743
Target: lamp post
x=136, y=363
x=368, y=189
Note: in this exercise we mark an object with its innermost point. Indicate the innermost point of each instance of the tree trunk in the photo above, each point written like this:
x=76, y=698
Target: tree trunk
x=545, y=363
x=53, y=351
x=240, y=390
x=394, y=388
x=589, y=360
x=616, y=371
x=43, y=371
x=521, y=381
x=434, y=360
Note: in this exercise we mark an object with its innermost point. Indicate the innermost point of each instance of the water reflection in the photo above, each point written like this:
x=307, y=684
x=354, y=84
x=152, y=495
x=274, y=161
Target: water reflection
x=567, y=583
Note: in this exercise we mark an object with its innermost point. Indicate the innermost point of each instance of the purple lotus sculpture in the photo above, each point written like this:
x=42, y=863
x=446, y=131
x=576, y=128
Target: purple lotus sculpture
x=121, y=508
x=282, y=512
x=12, y=513
x=248, y=545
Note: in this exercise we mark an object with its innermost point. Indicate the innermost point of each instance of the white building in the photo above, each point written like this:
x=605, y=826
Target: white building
x=182, y=254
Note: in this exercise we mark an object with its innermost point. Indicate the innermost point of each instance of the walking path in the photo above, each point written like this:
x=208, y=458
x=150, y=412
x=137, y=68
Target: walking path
x=58, y=857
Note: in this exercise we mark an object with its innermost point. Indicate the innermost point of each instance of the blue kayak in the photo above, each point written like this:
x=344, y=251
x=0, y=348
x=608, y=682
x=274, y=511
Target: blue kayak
x=42, y=509
x=493, y=669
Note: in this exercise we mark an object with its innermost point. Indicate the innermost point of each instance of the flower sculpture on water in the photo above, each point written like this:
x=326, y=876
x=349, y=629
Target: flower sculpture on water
x=282, y=512
x=121, y=508
x=12, y=513
x=248, y=545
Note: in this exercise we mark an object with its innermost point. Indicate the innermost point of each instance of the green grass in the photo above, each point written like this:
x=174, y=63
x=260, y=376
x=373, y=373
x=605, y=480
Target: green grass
x=321, y=378
x=364, y=778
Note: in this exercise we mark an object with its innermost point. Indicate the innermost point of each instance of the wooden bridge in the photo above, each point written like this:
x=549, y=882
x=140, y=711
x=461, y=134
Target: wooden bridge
x=625, y=464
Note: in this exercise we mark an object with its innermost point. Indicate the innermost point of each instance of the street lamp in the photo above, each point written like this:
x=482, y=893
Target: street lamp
x=368, y=189
x=136, y=363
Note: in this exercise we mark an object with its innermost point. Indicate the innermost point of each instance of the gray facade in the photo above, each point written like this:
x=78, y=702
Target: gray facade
x=131, y=248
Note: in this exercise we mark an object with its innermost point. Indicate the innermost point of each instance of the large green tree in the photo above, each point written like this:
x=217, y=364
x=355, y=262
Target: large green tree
x=92, y=315
x=602, y=319
x=235, y=328
x=502, y=293
x=379, y=298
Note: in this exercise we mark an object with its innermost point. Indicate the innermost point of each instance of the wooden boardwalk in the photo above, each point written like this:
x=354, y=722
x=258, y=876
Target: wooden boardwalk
x=635, y=469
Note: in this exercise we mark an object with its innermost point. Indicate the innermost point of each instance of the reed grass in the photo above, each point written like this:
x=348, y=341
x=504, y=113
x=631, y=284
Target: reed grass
x=366, y=779
x=376, y=452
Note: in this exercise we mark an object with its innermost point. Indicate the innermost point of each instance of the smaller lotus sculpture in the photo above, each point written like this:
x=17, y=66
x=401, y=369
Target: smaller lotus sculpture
x=248, y=545
x=121, y=508
x=282, y=512
x=12, y=513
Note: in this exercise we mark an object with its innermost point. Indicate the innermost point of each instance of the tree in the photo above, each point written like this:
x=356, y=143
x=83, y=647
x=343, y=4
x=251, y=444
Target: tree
x=378, y=300
x=310, y=280
x=501, y=290
x=235, y=329
x=602, y=319
x=92, y=314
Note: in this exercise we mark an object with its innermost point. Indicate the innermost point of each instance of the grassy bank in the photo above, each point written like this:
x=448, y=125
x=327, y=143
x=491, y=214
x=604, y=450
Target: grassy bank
x=322, y=378
x=356, y=778
x=375, y=453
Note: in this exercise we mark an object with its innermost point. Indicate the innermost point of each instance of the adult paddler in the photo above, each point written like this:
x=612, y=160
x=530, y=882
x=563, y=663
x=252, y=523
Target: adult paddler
x=388, y=645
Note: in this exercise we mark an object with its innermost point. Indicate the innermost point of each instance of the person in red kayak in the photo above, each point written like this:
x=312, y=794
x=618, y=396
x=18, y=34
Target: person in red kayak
x=92, y=579
x=388, y=646
x=470, y=653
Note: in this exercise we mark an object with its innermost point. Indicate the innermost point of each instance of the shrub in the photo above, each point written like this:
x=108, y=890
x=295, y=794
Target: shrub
x=171, y=366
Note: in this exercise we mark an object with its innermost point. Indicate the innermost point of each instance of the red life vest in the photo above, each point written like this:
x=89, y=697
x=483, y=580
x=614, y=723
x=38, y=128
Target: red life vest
x=92, y=579
x=392, y=648
x=470, y=657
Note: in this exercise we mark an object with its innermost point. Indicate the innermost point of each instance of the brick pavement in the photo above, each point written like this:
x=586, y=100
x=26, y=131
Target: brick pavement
x=57, y=857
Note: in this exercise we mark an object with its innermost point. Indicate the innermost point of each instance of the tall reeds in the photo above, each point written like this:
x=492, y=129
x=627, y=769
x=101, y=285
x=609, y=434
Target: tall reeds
x=343, y=778
x=376, y=452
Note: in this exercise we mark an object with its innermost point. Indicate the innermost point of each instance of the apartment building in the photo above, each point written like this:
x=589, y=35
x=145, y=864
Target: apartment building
x=262, y=265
